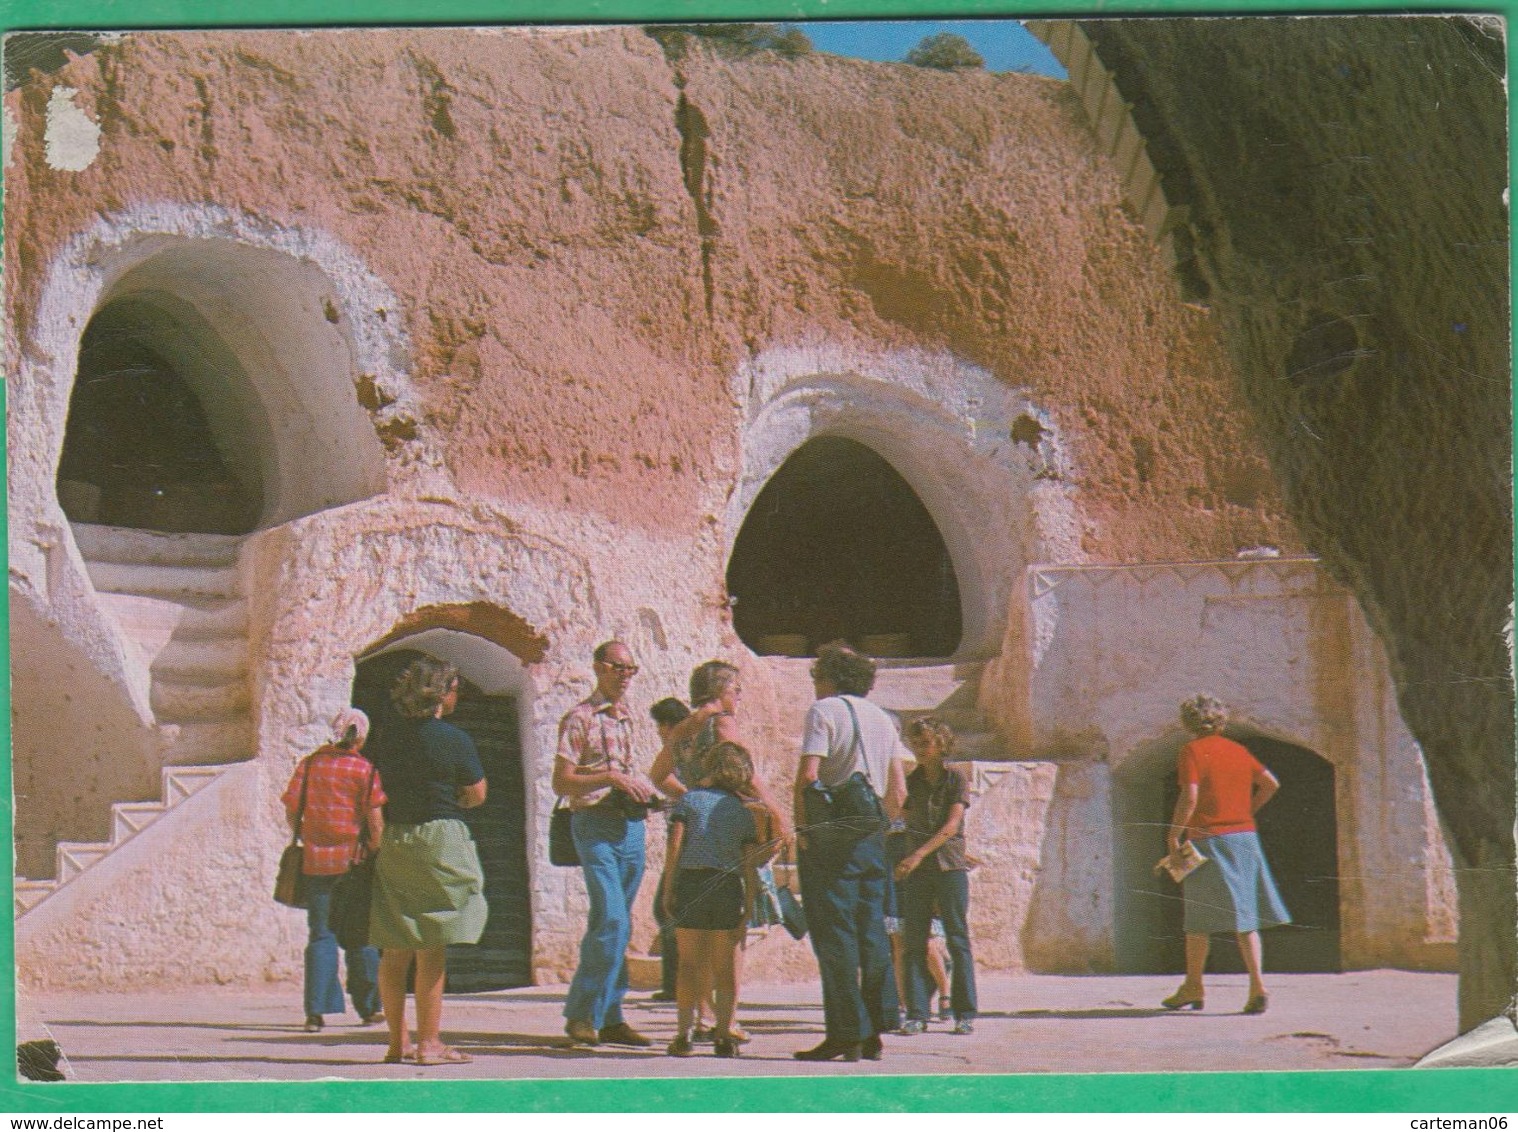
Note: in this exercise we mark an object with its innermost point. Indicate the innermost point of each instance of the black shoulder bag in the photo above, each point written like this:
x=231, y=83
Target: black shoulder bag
x=290, y=882
x=839, y=817
x=354, y=892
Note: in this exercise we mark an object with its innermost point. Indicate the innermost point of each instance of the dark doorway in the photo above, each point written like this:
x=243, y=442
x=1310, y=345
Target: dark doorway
x=838, y=546
x=139, y=450
x=503, y=957
x=1298, y=830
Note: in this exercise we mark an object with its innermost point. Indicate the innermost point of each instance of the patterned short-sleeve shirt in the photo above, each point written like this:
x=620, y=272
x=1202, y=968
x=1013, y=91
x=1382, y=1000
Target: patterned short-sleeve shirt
x=597, y=734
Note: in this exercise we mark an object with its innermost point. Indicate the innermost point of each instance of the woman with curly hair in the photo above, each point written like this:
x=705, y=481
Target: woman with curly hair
x=428, y=885
x=1223, y=786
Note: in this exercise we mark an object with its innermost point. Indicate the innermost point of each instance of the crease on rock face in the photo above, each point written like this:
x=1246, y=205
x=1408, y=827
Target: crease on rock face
x=694, y=133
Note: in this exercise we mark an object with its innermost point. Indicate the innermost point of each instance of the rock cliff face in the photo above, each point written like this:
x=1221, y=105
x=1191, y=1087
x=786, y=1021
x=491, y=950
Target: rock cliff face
x=587, y=241
x=571, y=277
x=1348, y=186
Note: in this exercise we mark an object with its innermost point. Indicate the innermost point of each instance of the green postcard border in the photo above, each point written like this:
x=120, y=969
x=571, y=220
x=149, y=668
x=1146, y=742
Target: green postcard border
x=1481, y=1091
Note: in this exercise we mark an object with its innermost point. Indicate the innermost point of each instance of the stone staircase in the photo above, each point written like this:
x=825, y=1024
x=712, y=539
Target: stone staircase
x=128, y=819
x=914, y=688
x=177, y=598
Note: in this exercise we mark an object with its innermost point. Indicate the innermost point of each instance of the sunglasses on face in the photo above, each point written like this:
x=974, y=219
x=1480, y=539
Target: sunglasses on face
x=619, y=669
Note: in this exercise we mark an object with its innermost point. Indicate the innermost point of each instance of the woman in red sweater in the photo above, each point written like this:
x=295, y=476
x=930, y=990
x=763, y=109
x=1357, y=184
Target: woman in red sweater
x=1222, y=787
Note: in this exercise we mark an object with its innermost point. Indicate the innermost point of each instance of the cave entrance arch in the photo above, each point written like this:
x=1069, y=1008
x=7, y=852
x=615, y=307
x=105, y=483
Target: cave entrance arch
x=140, y=449
x=1298, y=830
x=837, y=545
x=492, y=691
x=215, y=392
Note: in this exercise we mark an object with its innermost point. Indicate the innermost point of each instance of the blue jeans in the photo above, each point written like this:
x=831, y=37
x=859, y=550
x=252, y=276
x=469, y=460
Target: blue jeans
x=611, y=853
x=324, y=995
x=844, y=896
x=948, y=892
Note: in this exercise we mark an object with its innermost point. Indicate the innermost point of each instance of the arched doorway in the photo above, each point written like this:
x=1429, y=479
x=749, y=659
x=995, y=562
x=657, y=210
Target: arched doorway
x=503, y=956
x=217, y=390
x=1298, y=830
x=141, y=448
x=838, y=545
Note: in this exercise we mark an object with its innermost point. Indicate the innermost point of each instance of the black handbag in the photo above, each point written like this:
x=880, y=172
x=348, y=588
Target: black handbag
x=561, y=838
x=290, y=881
x=353, y=894
x=792, y=914
x=839, y=817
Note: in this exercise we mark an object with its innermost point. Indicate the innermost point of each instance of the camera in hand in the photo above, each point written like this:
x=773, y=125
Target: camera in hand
x=632, y=809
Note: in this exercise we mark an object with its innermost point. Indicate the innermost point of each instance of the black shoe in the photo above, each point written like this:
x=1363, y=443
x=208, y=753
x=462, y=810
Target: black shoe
x=313, y=1023
x=725, y=1047
x=830, y=1051
x=621, y=1034
x=871, y=1048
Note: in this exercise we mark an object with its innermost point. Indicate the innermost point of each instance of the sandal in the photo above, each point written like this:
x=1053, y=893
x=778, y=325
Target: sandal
x=398, y=1058
x=446, y=1056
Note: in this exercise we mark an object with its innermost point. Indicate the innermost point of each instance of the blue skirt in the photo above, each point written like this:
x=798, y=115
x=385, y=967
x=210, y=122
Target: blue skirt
x=1233, y=891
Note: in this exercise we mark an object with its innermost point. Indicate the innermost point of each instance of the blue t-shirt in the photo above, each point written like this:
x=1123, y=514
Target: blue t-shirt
x=423, y=764
x=716, y=826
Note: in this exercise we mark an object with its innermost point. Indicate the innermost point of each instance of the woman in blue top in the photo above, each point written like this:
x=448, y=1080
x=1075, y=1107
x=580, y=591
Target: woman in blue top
x=428, y=885
x=713, y=833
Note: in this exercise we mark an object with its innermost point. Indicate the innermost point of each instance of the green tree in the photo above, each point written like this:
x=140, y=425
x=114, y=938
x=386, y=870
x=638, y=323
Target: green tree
x=945, y=52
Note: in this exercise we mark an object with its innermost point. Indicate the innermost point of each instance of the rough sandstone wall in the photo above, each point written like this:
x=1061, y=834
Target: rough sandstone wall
x=586, y=242
x=1347, y=181
x=586, y=251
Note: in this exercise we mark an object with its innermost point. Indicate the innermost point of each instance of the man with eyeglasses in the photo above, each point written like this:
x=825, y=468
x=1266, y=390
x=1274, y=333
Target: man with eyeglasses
x=609, y=799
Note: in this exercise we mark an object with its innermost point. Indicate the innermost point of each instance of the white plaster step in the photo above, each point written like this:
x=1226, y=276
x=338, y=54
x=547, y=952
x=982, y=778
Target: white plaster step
x=151, y=580
x=204, y=744
x=214, y=617
x=29, y=893
x=219, y=660
x=181, y=782
x=979, y=746
x=184, y=701
x=964, y=720
x=124, y=545
x=916, y=686
x=76, y=856
x=128, y=819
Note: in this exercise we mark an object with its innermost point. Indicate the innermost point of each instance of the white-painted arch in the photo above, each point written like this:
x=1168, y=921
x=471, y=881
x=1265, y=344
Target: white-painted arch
x=278, y=324
x=945, y=426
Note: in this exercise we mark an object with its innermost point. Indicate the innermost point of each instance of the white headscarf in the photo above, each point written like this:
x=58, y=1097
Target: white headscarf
x=350, y=717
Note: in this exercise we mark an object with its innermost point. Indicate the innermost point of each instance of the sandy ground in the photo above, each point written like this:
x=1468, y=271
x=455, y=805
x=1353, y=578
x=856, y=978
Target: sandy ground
x=1028, y=1024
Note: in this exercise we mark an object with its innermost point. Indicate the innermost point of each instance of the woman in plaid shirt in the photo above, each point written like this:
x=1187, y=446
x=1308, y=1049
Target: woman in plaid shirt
x=339, y=785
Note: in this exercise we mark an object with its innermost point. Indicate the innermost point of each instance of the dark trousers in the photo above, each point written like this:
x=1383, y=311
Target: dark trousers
x=323, y=993
x=844, y=896
x=926, y=890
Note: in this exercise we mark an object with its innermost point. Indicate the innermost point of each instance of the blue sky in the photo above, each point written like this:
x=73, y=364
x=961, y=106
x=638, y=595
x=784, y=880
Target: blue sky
x=1006, y=44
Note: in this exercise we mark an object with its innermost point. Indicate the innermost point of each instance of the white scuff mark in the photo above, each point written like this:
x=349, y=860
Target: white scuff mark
x=73, y=140
x=8, y=128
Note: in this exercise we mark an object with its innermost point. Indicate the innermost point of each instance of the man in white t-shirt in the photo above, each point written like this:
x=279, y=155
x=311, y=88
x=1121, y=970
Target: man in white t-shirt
x=843, y=881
